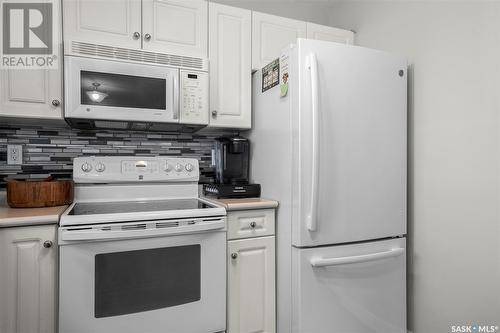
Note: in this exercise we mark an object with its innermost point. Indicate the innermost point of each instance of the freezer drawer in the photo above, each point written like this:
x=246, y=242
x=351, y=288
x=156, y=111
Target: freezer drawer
x=358, y=288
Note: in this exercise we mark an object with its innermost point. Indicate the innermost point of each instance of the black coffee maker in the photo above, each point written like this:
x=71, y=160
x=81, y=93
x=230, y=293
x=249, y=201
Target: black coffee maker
x=232, y=164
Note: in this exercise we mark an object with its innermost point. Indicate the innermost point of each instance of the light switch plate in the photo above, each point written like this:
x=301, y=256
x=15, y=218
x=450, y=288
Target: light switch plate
x=14, y=154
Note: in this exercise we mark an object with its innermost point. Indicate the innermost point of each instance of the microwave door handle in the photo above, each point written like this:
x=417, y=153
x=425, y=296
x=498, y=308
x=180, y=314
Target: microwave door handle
x=312, y=65
x=175, y=91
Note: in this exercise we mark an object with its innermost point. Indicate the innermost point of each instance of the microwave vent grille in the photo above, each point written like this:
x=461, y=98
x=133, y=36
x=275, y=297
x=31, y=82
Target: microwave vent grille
x=110, y=124
x=112, y=52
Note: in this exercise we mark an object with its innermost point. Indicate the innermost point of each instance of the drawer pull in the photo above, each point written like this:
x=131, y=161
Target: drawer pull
x=234, y=255
x=253, y=225
x=324, y=262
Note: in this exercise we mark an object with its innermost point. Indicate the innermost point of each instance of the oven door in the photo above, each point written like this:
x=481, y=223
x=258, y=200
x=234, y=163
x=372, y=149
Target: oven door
x=120, y=91
x=170, y=283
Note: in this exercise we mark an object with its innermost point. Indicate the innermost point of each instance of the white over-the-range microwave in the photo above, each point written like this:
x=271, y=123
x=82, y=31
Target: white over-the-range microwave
x=117, y=88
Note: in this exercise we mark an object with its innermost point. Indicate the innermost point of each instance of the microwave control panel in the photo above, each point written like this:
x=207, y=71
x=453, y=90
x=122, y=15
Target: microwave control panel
x=193, y=97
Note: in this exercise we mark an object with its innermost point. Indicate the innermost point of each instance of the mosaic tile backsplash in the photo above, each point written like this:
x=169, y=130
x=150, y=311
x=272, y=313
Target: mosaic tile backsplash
x=50, y=151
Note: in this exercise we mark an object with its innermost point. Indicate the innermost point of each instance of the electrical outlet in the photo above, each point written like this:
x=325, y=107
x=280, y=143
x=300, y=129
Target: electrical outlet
x=14, y=154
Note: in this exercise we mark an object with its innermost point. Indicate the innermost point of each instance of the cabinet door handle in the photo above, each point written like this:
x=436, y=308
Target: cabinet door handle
x=234, y=255
x=214, y=113
x=136, y=35
x=56, y=102
x=147, y=37
x=47, y=244
x=253, y=224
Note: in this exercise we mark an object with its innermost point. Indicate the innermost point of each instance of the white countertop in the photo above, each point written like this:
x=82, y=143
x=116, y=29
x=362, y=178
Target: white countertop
x=11, y=217
x=243, y=203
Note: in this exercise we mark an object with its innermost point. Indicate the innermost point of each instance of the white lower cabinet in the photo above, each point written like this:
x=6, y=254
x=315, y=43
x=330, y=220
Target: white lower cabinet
x=28, y=271
x=251, y=284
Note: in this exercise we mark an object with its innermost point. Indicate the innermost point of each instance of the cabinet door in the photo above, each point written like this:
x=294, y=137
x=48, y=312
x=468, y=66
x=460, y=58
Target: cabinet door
x=329, y=34
x=230, y=35
x=251, y=285
x=108, y=22
x=28, y=279
x=33, y=93
x=270, y=34
x=176, y=26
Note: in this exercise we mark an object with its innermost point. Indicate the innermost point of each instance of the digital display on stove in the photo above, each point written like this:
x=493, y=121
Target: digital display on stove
x=140, y=167
x=90, y=208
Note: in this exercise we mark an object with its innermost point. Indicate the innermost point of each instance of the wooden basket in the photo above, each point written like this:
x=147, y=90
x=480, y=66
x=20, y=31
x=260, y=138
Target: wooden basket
x=39, y=193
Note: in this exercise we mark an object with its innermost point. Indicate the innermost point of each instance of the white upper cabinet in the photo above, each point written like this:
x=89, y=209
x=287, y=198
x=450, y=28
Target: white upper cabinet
x=168, y=26
x=33, y=93
x=330, y=34
x=175, y=26
x=230, y=44
x=270, y=34
x=107, y=22
x=27, y=93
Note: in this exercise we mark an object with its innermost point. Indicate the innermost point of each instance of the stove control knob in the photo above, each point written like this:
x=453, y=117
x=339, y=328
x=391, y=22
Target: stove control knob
x=168, y=168
x=178, y=167
x=189, y=167
x=86, y=167
x=100, y=167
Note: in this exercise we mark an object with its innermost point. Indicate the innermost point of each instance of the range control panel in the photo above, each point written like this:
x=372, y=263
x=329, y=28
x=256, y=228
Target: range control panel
x=123, y=169
x=193, y=97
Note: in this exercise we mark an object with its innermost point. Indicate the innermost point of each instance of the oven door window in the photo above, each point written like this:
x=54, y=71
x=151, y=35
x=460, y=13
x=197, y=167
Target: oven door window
x=143, y=280
x=126, y=91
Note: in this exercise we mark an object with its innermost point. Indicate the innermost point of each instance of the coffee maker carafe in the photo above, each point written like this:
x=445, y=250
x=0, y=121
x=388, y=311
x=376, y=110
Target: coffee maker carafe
x=232, y=164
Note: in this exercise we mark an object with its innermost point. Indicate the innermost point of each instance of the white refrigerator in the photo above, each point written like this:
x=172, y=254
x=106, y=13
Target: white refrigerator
x=329, y=142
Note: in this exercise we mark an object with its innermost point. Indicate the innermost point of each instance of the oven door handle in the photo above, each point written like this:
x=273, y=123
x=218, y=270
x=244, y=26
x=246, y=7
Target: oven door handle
x=117, y=232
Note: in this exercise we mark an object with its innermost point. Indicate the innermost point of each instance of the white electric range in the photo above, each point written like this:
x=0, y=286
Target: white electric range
x=139, y=251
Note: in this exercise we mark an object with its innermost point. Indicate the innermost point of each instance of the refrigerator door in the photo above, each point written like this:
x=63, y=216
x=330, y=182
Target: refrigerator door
x=351, y=151
x=350, y=288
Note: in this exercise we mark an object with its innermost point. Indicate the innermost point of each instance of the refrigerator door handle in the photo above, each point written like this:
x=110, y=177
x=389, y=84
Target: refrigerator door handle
x=312, y=65
x=324, y=262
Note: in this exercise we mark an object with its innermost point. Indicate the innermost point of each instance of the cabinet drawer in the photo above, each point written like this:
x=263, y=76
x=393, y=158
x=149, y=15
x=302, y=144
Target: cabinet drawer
x=250, y=223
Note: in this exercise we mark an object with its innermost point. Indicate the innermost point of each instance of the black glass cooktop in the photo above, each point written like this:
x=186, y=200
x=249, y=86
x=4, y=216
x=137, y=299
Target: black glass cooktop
x=90, y=208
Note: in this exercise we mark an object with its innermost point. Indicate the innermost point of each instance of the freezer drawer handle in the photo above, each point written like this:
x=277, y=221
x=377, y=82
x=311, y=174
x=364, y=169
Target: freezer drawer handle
x=323, y=262
x=312, y=65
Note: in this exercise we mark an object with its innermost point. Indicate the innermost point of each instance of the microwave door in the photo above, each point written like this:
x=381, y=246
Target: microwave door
x=119, y=91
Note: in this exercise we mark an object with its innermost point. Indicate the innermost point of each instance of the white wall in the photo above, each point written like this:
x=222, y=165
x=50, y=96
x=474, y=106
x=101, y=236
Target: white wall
x=454, y=49
x=315, y=11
